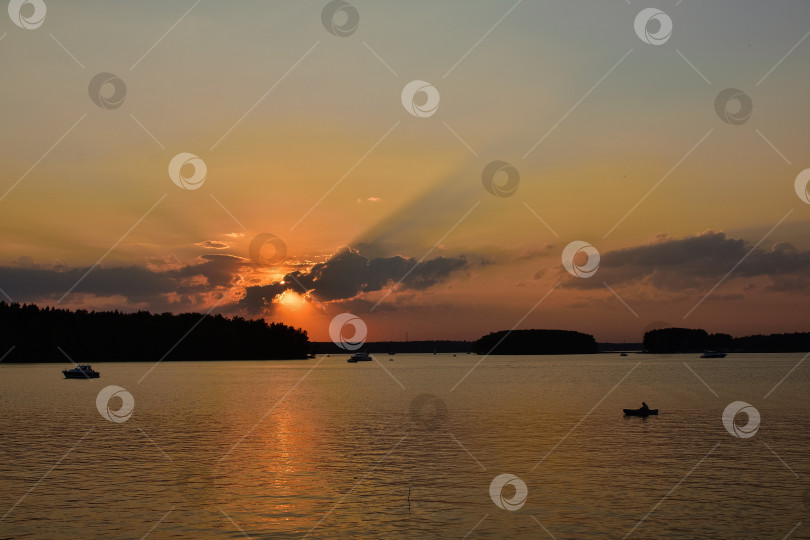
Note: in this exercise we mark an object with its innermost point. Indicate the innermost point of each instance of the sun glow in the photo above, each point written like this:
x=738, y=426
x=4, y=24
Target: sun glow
x=291, y=299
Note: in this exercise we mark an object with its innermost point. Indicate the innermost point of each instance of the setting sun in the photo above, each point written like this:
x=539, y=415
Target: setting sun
x=290, y=299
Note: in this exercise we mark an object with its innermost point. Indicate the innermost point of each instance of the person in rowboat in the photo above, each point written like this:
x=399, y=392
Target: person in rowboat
x=644, y=407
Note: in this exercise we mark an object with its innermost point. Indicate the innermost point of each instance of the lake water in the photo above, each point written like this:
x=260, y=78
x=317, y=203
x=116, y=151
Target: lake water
x=330, y=449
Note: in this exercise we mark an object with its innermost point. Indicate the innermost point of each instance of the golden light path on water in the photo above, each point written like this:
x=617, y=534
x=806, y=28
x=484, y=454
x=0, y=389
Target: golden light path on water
x=283, y=449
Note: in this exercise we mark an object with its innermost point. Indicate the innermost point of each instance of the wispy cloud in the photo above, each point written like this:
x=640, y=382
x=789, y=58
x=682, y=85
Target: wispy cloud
x=213, y=244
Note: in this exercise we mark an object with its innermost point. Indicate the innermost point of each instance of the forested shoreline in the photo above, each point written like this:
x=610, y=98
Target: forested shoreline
x=30, y=334
x=34, y=334
x=687, y=340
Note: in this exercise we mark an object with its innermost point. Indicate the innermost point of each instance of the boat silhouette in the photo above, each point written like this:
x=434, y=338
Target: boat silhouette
x=360, y=356
x=81, y=372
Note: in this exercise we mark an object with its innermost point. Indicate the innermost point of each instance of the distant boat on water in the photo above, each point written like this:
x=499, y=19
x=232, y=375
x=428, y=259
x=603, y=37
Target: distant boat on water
x=623, y=354
x=644, y=411
x=640, y=412
x=81, y=372
x=713, y=354
x=361, y=356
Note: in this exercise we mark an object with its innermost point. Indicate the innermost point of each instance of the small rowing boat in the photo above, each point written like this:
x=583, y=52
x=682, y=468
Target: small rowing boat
x=640, y=412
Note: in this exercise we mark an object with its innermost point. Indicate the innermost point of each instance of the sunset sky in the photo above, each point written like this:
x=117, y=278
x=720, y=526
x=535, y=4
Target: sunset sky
x=617, y=143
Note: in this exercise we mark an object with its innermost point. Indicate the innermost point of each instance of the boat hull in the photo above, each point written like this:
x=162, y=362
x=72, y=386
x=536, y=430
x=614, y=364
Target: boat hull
x=76, y=375
x=639, y=412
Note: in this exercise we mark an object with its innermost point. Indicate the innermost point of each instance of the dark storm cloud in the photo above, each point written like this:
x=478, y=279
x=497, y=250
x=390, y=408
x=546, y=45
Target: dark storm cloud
x=698, y=261
x=348, y=273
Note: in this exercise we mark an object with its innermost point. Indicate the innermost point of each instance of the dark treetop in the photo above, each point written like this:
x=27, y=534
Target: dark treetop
x=688, y=340
x=37, y=334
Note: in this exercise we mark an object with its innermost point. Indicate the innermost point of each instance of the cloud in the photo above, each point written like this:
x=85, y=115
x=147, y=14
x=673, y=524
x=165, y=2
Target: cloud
x=168, y=284
x=213, y=244
x=219, y=269
x=348, y=274
x=26, y=281
x=530, y=254
x=699, y=261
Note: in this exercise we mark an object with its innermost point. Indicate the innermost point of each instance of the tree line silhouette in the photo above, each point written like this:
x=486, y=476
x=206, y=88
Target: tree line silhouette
x=688, y=340
x=536, y=342
x=36, y=335
x=29, y=333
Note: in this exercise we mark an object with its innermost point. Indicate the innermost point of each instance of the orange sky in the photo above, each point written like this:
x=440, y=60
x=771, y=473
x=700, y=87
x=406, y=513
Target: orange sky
x=304, y=135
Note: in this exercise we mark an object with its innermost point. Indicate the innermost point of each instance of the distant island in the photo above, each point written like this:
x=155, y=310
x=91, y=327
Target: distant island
x=36, y=335
x=536, y=342
x=690, y=340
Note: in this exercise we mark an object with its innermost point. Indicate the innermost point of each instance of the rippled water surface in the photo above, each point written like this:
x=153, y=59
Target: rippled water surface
x=330, y=449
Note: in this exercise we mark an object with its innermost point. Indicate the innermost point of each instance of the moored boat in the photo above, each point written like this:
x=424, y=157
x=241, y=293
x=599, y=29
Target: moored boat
x=713, y=354
x=361, y=356
x=81, y=372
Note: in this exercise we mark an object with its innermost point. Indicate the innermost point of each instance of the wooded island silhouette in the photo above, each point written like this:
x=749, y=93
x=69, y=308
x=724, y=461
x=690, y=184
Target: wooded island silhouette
x=688, y=340
x=536, y=342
